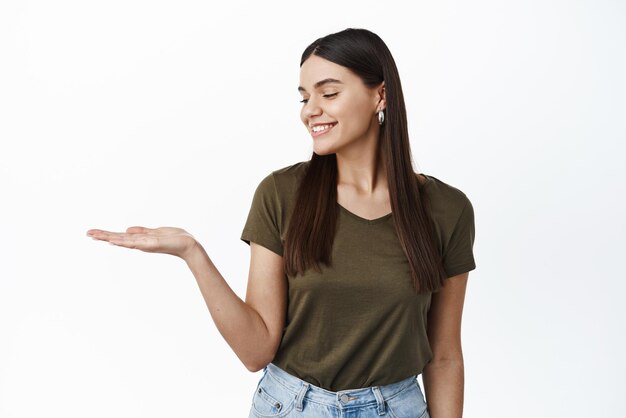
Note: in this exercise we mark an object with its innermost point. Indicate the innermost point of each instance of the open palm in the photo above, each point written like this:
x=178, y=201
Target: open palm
x=165, y=239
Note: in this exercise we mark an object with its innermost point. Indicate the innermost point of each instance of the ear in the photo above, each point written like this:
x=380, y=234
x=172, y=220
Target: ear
x=381, y=97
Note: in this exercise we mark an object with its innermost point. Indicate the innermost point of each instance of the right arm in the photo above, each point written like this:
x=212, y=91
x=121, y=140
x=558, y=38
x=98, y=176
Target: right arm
x=254, y=328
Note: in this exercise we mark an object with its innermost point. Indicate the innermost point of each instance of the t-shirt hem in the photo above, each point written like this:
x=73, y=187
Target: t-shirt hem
x=462, y=268
x=248, y=236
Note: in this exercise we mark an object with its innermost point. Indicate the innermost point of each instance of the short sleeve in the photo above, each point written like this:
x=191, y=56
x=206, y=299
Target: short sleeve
x=263, y=223
x=459, y=257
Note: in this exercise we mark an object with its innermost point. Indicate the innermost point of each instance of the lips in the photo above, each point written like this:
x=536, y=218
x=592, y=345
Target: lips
x=322, y=132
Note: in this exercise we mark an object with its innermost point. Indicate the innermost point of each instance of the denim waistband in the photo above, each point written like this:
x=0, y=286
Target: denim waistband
x=343, y=398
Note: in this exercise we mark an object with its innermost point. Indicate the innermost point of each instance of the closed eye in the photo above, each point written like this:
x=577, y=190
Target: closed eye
x=325, y=95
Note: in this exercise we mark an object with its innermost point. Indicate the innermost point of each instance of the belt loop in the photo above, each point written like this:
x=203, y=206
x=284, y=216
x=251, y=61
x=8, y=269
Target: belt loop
x=379, y=400
x=300, y=397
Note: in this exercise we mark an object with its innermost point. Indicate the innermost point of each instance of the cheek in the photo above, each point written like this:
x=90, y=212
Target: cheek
x=354, y=118
x=353, y=108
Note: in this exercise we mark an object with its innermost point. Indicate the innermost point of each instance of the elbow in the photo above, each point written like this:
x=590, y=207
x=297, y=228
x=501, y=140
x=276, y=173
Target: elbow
x=256, y=366
x=258, y=363
x=445, y=362
x=449, y=355
x=262, y=356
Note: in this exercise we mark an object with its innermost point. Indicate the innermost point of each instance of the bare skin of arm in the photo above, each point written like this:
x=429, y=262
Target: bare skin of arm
x=444, y=376
x=252, y=328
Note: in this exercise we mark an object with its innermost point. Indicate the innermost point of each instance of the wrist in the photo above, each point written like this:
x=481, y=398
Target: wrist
x=192, y=252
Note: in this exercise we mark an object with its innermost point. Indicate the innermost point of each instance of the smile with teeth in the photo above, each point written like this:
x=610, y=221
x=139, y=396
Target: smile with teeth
x=319, y=129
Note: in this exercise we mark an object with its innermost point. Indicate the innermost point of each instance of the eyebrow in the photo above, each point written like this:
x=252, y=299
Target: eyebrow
x=321, y=83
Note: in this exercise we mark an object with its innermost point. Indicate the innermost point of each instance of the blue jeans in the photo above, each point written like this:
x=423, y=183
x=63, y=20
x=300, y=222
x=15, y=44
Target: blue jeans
x=280, y=394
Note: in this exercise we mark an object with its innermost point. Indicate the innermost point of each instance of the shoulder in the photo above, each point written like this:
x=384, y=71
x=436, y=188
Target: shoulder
x=281, y=185
x=447, y=201
x=291, y=171
x=284, y=174
x=442, y=190
x=286, y=179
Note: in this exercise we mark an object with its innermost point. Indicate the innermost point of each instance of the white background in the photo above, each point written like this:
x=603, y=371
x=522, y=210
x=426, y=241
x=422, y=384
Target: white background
x=158, y=113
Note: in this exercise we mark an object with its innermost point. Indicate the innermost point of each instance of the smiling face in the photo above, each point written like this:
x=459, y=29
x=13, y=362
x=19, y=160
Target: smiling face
x=338, y=104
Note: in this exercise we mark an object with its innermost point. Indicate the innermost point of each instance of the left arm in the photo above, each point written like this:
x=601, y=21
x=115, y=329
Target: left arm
x=444, y=376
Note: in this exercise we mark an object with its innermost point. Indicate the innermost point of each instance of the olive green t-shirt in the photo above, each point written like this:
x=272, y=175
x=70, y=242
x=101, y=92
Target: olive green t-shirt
x=358, y=323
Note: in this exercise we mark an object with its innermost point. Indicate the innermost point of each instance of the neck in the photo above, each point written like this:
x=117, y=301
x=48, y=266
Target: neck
x=362, y=170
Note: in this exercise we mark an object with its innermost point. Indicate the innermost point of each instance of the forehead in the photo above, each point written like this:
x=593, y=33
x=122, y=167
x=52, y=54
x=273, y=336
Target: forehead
x=315, y=69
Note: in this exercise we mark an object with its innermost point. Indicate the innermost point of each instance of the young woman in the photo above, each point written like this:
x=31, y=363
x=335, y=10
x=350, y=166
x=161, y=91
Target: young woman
x=358, y=264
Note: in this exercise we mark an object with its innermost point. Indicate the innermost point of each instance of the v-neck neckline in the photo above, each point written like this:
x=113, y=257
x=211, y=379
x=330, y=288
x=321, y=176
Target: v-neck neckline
x=361, y=219
x=380, y=218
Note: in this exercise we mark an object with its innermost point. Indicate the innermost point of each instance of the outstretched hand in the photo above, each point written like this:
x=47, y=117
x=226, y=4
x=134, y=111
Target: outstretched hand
x=167, y=240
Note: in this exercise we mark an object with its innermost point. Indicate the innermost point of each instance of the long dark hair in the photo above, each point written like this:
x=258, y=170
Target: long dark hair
x=310, y=234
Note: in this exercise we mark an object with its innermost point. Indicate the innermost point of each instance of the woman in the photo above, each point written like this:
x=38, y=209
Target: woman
x=364, y=291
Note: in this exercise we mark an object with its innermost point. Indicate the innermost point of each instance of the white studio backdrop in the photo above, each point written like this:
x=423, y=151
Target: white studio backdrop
x=123, y=113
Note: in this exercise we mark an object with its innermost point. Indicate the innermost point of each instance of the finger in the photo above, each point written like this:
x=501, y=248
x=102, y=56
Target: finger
x=106, y=235
x=139, y=230
x=124, y=240
x=132, y=241
x=119, y=243
x=95, y=232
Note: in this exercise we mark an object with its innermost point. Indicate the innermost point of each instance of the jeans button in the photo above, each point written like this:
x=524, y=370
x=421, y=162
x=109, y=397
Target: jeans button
x=345, y=398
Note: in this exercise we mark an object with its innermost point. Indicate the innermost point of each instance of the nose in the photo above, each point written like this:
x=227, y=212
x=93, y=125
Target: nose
x=311, y=109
